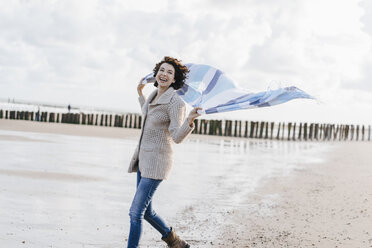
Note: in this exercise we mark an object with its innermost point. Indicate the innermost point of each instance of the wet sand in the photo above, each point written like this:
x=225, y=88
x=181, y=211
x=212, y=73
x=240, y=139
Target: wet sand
x=326, y=204
x=68, y=129
x=319, y=205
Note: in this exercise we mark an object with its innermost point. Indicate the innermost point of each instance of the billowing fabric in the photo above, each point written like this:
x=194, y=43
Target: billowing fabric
x=209, y=88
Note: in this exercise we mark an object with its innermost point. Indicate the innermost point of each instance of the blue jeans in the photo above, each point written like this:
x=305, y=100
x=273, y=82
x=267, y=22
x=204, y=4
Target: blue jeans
x=142, y=209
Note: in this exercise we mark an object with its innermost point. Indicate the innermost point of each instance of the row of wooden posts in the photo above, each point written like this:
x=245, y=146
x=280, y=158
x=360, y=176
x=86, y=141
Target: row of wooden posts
x=127, y=120
x=237, y=128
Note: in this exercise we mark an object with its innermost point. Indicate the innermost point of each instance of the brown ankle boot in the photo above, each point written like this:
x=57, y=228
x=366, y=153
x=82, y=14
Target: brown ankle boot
x=174, y=241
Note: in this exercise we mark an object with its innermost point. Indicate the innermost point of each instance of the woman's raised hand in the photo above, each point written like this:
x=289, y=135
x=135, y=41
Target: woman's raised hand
x=140, y=87
x=193, y=115
x=141, y=84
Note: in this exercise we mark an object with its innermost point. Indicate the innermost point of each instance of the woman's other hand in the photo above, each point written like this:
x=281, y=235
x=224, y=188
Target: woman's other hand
x=193, y=115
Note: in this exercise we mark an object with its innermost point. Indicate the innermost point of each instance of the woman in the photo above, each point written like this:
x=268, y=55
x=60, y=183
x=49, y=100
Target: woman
x=163, y=123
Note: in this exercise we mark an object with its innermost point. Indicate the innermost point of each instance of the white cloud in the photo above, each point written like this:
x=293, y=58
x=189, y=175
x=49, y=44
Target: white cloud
x=367, y=16
x=94, y=52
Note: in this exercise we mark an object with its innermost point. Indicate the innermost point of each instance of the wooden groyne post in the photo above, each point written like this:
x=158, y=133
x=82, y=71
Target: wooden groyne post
x=278, y=133
x=289, y=130
x=251, y=133
x=195, y=126
x=262, y=125
x=266, y=130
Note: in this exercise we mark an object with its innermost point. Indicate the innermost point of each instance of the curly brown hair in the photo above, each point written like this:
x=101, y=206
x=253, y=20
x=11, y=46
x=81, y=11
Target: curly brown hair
x=180, y=71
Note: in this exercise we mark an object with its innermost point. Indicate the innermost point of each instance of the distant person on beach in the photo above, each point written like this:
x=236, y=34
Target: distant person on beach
x=37, y=116
x=164, y=123
x=69, y=108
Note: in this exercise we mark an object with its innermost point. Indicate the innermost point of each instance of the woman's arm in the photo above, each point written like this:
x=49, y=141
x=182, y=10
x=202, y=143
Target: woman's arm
x=141, y=97
x=180, y=127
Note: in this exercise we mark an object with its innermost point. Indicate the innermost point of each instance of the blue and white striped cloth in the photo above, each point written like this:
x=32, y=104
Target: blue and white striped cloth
x=209, y=88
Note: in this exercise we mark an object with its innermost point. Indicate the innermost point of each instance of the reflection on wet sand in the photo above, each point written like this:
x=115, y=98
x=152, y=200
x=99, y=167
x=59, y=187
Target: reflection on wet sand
x=43, y=175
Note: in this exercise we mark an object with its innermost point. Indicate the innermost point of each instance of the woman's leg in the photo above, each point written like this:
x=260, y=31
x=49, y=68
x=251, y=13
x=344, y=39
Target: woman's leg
x=146, y=188
x=152, y=217
x=157, y=222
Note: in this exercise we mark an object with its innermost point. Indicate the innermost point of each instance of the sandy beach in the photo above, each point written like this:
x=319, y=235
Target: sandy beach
x=319, y=205
x=316, y=202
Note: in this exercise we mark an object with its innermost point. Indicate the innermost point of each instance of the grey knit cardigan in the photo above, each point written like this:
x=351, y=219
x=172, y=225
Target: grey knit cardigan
x=163, y=123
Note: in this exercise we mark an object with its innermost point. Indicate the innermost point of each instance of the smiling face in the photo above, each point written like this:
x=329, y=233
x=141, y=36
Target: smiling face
x=165, y=75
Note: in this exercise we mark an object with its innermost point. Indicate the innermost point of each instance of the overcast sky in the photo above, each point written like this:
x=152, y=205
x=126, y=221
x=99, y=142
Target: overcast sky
x=94, y=52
